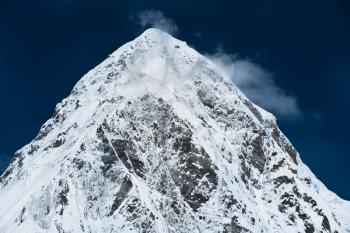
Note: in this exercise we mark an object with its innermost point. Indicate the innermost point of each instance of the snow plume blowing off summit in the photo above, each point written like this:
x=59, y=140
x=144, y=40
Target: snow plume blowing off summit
x=158, y=139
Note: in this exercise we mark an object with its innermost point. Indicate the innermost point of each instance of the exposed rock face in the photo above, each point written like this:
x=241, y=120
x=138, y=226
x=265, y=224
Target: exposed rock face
x=157, y=139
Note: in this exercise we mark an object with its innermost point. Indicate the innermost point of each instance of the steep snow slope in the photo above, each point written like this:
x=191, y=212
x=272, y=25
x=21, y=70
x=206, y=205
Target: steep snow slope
x=158, y=139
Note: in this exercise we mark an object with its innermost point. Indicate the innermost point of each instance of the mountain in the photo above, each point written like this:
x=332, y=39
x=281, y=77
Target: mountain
x=157, y=139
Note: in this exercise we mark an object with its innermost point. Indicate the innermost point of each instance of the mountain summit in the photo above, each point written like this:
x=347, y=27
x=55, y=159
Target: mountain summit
x=158, y=139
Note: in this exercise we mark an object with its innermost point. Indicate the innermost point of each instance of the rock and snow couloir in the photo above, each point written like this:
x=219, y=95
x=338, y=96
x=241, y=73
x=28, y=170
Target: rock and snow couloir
x=158, y=139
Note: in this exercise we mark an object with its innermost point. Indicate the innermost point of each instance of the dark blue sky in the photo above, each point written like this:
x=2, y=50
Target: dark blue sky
x=46, y=46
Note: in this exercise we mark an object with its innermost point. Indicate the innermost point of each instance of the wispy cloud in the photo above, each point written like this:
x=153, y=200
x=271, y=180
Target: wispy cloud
x=156, y=19
x=257, y=84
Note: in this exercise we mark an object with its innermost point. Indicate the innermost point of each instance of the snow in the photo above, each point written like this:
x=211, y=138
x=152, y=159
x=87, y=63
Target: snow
x=199, y=155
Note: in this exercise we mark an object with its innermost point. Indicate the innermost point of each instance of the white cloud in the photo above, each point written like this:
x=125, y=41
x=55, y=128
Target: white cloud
x=156, y=19
x=257, y=84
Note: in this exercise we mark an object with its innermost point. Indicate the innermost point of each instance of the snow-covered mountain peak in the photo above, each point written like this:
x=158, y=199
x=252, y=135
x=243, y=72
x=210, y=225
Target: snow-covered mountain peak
x=158, y=139
x=157, y=35
x=155, y=49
